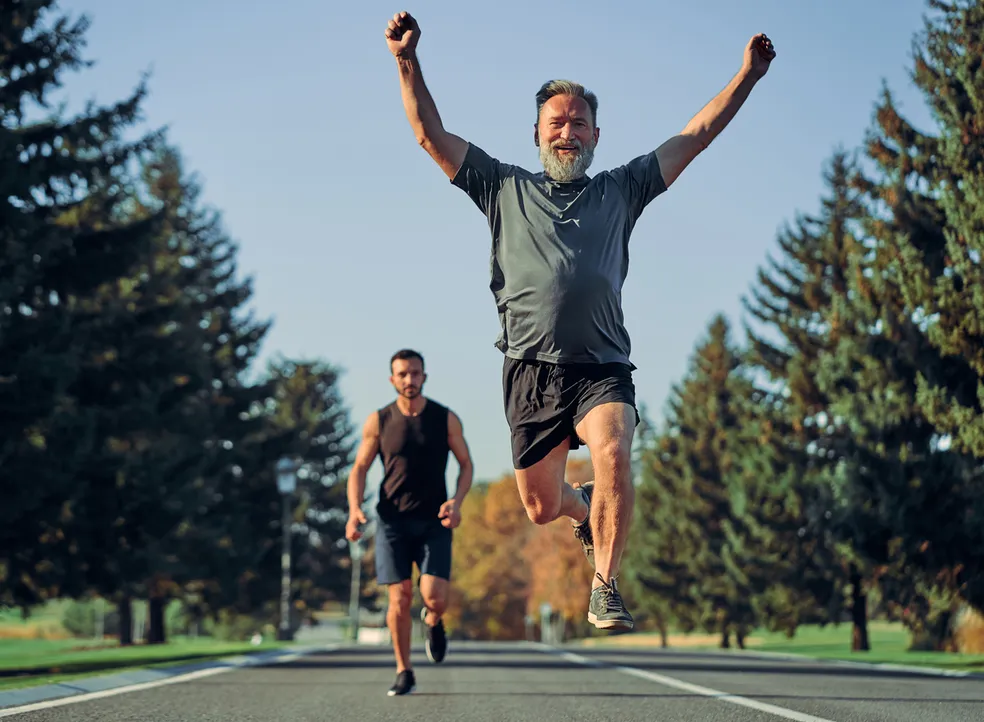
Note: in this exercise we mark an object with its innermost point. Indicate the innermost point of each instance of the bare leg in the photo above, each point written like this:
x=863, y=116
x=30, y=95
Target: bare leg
x=434, y=592
x=398, y=621
x=608, y=431
x=545, y=494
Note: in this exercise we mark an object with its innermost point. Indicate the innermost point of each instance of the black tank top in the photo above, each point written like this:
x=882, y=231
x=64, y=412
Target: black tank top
x=414, y=451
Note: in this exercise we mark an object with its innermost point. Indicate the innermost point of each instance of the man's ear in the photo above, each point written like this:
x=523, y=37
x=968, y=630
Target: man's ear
x=536, y=136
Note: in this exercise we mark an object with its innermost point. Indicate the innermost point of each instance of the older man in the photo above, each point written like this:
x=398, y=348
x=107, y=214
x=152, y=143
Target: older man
x=560, y=256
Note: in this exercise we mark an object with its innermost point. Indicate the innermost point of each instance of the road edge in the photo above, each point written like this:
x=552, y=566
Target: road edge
x=876, y=666
x=19, y=701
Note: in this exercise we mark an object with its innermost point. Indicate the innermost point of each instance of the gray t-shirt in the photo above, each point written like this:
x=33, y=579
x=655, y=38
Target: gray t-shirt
x=560, y=254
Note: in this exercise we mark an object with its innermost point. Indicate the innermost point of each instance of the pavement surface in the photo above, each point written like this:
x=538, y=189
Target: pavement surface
x=534, y=683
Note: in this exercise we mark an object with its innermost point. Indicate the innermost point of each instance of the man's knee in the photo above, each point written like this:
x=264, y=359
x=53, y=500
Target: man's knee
x=615, y=453
x=434, y=592
x=539, y=512
x=437, y=603
x=541, y=485
x=400, y=597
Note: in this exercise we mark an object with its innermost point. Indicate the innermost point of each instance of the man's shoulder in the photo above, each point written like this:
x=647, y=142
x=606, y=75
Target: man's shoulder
x=437, y=407
x=384, y=412
x=477, y=156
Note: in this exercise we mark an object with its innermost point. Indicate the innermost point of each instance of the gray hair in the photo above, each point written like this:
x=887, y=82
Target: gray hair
x=566, y=87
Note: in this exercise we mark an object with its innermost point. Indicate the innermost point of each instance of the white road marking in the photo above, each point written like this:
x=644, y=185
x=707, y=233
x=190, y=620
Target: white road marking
x=190, y=676
x=697, y=689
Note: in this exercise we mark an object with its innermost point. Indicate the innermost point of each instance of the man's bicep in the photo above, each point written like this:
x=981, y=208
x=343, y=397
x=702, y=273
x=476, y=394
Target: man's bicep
x=448, y=151
x=456, y=439
x=369, y=445
x=675, y=155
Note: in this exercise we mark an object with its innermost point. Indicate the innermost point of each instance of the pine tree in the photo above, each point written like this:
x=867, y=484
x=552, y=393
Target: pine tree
x=796, y=304
x=689, y=548
x=220, y=553
x=915, y=376
x=895, y=492
x=53, y=258
x=309, y=407
x=939, y=266
x=665, y=537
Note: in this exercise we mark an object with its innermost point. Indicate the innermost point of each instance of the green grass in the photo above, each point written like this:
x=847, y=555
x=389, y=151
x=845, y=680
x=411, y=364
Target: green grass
x=889, y=645
x=25, y=663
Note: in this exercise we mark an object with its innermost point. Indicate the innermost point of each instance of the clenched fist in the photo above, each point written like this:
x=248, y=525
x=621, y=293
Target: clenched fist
x=402, y=34
x=759, y=54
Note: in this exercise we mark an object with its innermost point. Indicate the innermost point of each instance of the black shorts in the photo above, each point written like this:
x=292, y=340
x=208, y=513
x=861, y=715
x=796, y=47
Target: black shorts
x=401, y=543
x=544, y=402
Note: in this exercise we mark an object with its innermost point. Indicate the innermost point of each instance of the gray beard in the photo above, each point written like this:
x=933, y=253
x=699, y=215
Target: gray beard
x=566, y=169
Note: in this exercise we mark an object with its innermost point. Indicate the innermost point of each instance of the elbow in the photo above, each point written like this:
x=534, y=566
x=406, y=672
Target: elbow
x=424, y=135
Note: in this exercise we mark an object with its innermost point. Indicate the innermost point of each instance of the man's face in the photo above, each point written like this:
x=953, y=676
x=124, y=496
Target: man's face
x=567, y=137
x=408, y=377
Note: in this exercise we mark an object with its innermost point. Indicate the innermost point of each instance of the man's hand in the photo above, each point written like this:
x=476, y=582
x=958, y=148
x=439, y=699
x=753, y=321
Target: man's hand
x=449, y=514
x=402, y=34
x=759, y=54
x=355, y=520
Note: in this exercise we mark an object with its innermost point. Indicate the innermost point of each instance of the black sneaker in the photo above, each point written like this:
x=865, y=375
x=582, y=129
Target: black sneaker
x=583, y=530
x=606, y=610
x=405, y=684
x=435, y=639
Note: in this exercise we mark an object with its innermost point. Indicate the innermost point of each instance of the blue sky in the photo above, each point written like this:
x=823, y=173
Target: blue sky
x=290, y=113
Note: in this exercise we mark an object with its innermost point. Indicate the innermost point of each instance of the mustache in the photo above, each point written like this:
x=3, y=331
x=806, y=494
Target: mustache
x=572, y=142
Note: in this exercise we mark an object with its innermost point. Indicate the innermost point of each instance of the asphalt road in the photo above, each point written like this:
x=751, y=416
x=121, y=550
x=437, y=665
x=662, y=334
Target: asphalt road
x=531, y=683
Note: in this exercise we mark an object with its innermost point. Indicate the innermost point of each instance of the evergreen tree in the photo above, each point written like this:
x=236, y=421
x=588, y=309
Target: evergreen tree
x=665, y=538
x=220, y=551
x=795, y=303
x=65, y=231
x=939, y=265
x=909, y=477
x=691, y=547
x=309, y=406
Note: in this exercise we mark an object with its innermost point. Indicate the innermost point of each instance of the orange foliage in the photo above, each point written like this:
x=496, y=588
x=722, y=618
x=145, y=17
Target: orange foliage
x=559, y=572
x=489, y=577
x=504, y=566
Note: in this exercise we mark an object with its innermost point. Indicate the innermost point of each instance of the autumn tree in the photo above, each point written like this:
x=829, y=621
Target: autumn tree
x=491, y=576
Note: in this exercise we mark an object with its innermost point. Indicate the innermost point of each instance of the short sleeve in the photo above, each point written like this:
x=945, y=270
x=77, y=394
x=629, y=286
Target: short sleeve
x=481, y=177
x=640, y=180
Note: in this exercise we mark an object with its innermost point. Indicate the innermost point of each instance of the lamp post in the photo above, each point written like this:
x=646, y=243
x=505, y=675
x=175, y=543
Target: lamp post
x=286, y=484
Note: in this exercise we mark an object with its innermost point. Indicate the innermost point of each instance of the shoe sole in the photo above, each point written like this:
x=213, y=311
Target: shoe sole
x=609, y=623
x=391, y=693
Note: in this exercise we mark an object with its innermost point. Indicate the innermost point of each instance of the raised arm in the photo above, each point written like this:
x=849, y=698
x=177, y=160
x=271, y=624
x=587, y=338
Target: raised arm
x=679, y=151
x=447, y=149
x=366, y=454
x=450, y=513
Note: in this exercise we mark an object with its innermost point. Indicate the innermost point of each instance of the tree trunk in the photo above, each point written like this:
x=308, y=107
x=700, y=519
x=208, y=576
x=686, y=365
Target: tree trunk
x=125, y=610
x=859, y=613
x=740, y=637
x=664, y=637
x=156, y=633
x=945, y=641
x=725, y=636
